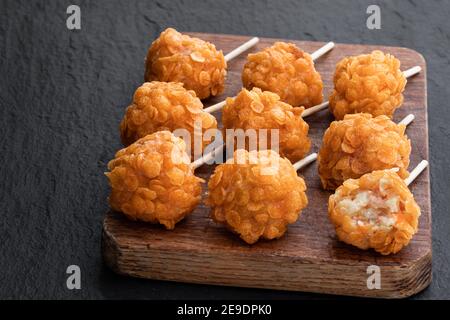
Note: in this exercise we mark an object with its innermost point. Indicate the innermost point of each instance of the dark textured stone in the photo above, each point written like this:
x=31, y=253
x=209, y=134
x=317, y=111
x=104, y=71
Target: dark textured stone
x=63, y=93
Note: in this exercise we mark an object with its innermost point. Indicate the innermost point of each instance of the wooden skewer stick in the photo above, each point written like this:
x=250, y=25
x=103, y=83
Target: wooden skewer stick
x=315, y=55
x=243, y=47
x=408, y=73
x=415, y=173
x=305, y=161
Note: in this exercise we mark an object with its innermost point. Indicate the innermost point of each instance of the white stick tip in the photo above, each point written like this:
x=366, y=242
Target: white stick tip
x=408, y=119
x=322, y=50
x=422, y=165
x=305, y=161
x=312, y=156
x=243, y=47
x=415, y=173
x=215, y=107
x=412, y=71
x=315, y=109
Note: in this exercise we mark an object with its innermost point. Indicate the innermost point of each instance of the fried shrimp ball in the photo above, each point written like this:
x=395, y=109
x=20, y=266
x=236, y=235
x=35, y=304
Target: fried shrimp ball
x=192, y=61
x=159, y=106
x=152, y=180
x=370, y=83
x=258, y=109
x=375, y=211
x=287, y=71
x=256, y=194
x=360, y=144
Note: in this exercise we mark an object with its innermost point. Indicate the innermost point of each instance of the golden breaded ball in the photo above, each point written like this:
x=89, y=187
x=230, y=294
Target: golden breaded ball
x=159, y=106
x=370, y=83
x=195, y=63
x=360, y=144
x=256, y=194
x=287, y=71
x=256, y=109
x=375, y=211
x=152, y=180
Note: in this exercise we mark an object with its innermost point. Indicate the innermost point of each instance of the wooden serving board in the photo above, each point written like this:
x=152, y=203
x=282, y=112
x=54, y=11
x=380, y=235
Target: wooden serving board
x=308, y=257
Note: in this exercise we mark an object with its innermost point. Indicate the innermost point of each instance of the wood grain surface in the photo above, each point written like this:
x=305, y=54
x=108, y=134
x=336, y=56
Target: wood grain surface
x=308, y=257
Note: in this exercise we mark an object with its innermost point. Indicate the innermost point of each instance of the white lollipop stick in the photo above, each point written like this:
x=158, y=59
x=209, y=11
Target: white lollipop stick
x=315, y=55
x=417, y=170
x=408, y=73
x=315, y=109
x=412, y=71
x=201, y=161
x=215, y=107
x=321, y=51
x=407, y=120
x=243, y=47
x=305, y=161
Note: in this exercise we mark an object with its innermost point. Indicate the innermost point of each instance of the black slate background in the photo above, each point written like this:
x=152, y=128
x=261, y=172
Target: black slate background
x=63, y=93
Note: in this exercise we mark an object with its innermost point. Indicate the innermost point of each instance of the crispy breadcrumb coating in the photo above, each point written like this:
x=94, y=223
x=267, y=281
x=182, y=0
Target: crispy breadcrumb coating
x=152, y=180
x=375, y=211
x=360, y=144
x=255, y=198
x=175, y=57
x=371, y=83
x=256, y=109
x=287, y=71
x=159, y=106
